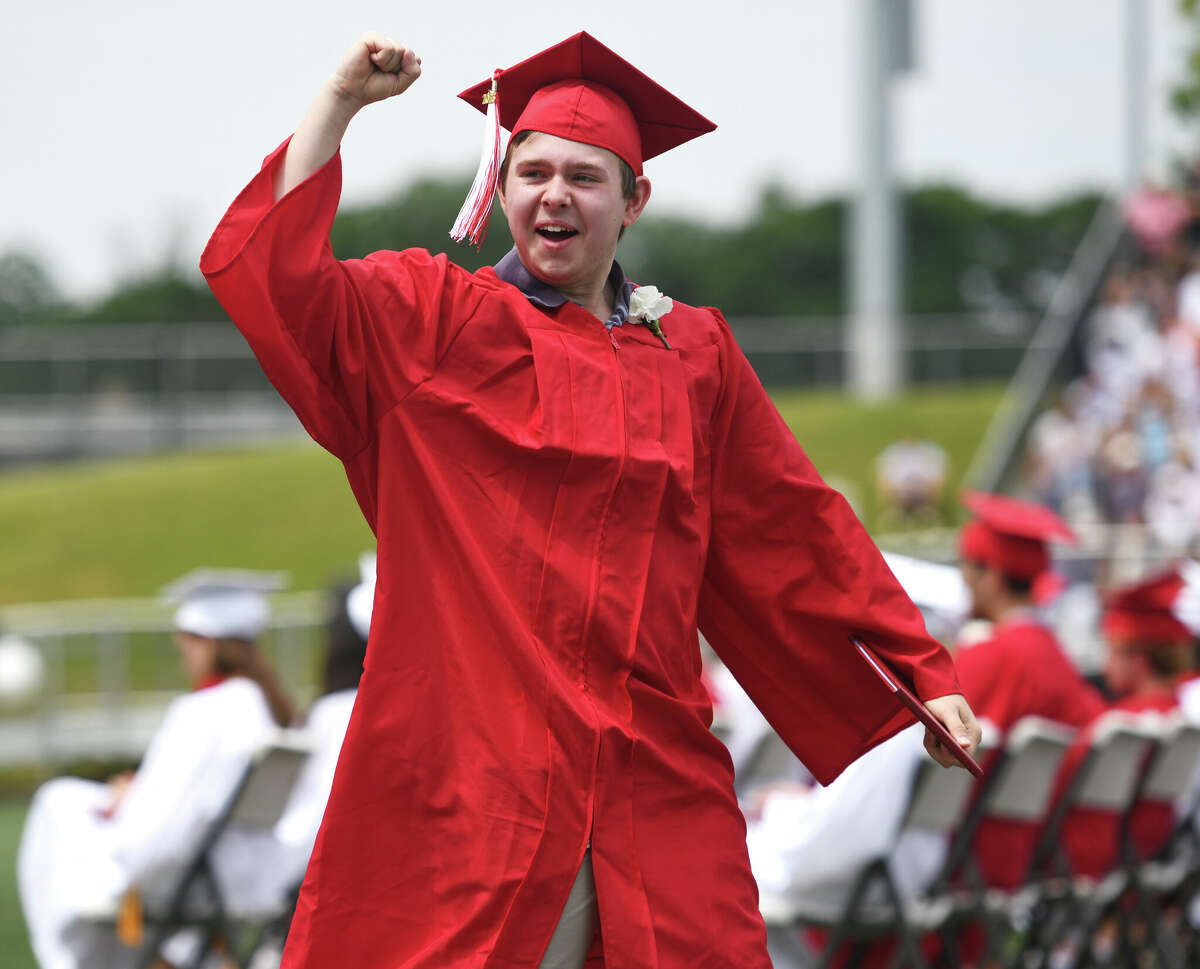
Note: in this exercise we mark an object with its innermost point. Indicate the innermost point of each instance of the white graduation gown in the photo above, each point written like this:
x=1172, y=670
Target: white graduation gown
x=296, y=831
x=73, y=864
x=808, y=846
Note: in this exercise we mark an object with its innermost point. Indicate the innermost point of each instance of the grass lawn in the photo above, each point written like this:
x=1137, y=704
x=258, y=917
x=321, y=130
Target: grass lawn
x=843, y=437
x=14, y=942
x=126, y=528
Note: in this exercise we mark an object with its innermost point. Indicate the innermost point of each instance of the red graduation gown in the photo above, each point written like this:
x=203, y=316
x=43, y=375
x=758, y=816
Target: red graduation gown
x=555, y=515
x=1020, y=671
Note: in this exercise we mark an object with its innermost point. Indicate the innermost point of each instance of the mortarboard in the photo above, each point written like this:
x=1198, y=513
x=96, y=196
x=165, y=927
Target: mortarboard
x=580, y=90
x=223, y=603
x=361, y=599
x=1150, y=611
x=1010, y=535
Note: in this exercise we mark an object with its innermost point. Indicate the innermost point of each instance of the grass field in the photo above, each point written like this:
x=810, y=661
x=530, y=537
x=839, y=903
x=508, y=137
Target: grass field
x=14, y=942
x=126, y=528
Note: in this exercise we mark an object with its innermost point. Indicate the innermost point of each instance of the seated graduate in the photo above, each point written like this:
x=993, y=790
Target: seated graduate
x=1150, y=650
x=87, y=845
x=326, y=722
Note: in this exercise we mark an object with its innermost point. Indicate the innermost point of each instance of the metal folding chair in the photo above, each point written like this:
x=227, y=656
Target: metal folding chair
x=1018, y=787
x=938, y=801
x=1163, y=885
x=1069, y=905
x=196, y=901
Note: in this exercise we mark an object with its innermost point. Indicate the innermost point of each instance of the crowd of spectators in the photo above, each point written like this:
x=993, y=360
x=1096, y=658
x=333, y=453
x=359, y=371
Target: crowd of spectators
x=1121, y=445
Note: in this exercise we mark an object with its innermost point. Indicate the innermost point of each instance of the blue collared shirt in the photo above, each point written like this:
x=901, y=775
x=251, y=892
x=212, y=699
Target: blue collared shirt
x=512, y=270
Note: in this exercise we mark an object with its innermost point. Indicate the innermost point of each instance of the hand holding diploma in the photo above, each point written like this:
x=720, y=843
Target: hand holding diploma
x=955, y=715
x=949, y=721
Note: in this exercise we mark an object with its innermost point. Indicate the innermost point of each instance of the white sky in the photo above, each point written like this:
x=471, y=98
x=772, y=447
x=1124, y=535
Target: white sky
x=128, y=126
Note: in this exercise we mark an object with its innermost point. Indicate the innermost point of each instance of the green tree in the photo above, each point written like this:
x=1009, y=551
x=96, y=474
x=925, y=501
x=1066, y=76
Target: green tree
x=165, y=296
x=27, y=293
x=785, y=260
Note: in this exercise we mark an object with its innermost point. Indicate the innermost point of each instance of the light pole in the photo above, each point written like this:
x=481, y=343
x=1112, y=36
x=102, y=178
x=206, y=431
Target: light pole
x=876, y=369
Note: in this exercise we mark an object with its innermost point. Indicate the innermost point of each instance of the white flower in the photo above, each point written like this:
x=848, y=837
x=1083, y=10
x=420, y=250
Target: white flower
x=647, y=303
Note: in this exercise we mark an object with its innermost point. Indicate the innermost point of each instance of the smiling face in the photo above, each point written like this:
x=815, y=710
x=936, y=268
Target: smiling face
x=565, y=208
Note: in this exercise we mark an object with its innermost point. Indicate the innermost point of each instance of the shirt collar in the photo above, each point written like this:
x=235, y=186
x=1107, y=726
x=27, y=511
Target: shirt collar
x=511, y=270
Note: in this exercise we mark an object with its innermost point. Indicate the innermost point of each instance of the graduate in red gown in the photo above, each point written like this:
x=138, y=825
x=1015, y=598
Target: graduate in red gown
x=1149, y=651
x=567, y=474
x=1020, y=670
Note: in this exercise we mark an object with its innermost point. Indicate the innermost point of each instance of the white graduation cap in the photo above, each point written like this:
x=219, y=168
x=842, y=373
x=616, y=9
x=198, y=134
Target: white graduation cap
x=224, y=603
x=361, y=598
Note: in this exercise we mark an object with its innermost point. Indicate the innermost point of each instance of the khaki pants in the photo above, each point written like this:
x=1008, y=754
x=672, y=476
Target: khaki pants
x=572, y=937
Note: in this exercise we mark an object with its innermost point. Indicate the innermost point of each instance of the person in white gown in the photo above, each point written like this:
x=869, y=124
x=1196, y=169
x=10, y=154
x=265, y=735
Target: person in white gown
x=86, y=845
x=326, y=722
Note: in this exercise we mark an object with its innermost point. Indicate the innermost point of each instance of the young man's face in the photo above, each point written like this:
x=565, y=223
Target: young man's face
x=565, y=207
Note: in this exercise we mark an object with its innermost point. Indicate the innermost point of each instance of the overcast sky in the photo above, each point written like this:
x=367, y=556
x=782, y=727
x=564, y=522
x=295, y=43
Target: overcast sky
x=129, y=126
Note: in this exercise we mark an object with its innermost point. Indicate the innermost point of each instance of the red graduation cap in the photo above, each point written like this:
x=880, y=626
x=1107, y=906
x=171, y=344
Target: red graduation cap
x=1146, y=611
x=1010, y=535
x=580, y=90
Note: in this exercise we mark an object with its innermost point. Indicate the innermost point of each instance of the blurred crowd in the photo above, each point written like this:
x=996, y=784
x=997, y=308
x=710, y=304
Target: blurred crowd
x=1121, y=446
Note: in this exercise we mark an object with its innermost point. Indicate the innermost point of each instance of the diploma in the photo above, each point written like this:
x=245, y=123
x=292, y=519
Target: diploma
x=905, y=696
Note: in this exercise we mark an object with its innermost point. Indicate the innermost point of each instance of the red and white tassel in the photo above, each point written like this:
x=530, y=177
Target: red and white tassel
x=471, y=223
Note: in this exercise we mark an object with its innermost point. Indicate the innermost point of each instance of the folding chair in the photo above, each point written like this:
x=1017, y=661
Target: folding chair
x=875, y=908
x=1070, y=905
x=1018, y=788
x=196, y=901
x=1163, y=885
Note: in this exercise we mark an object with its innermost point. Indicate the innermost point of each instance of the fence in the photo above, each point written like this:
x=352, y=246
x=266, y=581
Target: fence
x=111, y=668
x=71, y=391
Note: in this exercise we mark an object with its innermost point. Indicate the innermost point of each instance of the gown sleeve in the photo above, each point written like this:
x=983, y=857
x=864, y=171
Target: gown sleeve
x=342, y=341
x=791, y=575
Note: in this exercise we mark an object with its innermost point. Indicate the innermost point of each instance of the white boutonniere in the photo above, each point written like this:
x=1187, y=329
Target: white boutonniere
x=647, y=306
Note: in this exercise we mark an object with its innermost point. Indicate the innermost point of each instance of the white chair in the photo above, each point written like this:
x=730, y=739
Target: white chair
x=938, y=803
x=1071, y=905
x=196, y=901
x=1018, y=787
x=1164, y=884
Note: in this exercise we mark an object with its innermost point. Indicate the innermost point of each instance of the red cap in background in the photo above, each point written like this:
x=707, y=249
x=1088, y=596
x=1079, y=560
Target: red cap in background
x=1010, y=535
x=1146, y=611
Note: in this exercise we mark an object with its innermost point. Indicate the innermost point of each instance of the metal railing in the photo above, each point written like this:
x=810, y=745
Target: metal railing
x=111, y=667
x=94, y=390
